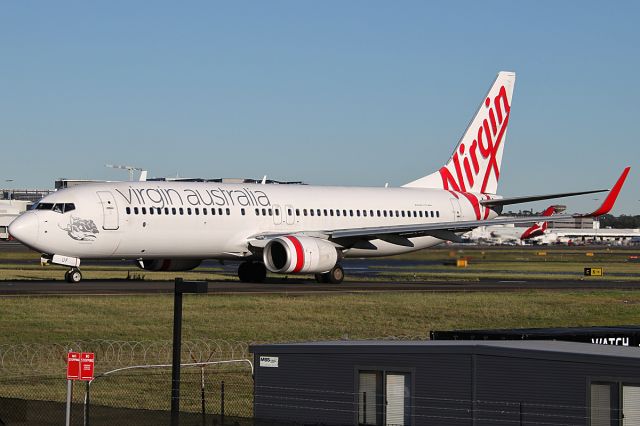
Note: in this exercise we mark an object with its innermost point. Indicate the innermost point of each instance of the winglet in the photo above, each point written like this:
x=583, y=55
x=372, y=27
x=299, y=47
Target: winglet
x=608, y=202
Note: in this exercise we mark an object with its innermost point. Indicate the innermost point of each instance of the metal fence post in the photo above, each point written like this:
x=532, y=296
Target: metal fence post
x=202, y=396
x=87, y=404
x=175, y=367
x=222, y=401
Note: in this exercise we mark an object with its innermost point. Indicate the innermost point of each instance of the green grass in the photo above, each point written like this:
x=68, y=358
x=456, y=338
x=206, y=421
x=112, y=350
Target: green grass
x=309, y=317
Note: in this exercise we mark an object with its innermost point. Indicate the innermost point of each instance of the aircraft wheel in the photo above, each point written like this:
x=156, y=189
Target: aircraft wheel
x=244, y=272
x=335, y=275
x=73, y=276
x=258, y=272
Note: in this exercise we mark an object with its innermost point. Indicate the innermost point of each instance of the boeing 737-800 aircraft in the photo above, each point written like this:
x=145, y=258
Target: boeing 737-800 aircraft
x=286, y=229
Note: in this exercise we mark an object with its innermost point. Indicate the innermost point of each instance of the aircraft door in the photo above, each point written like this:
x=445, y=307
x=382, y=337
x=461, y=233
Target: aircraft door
x=289, y=211
x=457, y=211
x=277, y=215
x=109, y=210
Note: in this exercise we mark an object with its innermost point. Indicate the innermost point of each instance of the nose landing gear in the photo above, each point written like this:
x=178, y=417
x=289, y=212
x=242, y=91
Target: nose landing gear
x=73, y=276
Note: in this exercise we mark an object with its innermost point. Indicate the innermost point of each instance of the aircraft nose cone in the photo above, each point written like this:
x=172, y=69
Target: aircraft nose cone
x=25, y=228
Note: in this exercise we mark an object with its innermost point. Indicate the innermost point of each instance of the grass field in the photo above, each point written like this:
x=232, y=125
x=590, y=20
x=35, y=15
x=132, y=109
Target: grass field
x=291, y=318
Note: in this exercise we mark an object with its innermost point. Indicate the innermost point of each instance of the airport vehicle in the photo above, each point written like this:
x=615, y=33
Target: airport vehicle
x=286, y=229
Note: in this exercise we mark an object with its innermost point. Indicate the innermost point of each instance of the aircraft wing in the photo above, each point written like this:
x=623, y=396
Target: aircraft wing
x=449, y=230
x=526, y=199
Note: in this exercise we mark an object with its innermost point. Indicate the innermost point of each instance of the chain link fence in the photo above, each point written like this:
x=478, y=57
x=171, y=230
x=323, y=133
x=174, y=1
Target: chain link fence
x=132, y=383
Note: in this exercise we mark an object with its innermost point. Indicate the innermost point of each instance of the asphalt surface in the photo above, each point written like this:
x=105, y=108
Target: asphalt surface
x=361, y=273
x=294, y=287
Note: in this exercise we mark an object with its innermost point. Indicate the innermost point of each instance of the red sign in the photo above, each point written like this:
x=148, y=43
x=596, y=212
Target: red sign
x=86, y=365
x=73, y=366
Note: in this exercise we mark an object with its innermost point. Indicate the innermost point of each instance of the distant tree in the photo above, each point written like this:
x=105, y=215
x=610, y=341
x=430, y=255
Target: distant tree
x=623, y=221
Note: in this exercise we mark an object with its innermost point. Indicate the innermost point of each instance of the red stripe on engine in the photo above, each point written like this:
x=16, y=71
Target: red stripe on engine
x=299, y=253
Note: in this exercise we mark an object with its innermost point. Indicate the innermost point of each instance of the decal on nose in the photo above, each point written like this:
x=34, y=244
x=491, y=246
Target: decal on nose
x=25, y=228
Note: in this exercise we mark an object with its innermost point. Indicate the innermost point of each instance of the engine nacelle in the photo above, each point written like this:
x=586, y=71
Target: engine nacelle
x=169, y=264
x=290, y=254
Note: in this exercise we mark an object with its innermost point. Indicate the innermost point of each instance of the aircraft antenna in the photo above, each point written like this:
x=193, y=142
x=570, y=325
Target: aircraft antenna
x=131, y=169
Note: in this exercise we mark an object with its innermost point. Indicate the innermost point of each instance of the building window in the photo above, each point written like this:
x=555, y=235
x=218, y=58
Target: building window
x=384, y=397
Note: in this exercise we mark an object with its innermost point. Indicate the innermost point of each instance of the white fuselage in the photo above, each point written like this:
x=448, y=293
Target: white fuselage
x=202, y=220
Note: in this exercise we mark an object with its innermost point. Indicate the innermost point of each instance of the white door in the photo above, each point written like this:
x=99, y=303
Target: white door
x=109, y=210
x=395, y=394
x=290, y=212
x=457, y=212
x=277, y=215
x=631, y=405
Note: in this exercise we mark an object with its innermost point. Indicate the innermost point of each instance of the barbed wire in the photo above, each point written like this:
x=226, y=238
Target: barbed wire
x=38, y=358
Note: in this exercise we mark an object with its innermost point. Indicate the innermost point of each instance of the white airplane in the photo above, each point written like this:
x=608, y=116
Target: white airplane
x=286, y=229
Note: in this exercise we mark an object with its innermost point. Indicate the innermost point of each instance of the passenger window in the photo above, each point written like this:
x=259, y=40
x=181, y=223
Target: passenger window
x=257, y=212
x=325, y=212
x=379, y=213
x=397, y=213
x=277, y=212
x=420, y=213
x=173, y=211
x=128, y=210
x=358, y=213
x=350, y=212
x=270, y=212
x=189, y=211
x=264, y=212
x=437, y=213
x=297, y=212
x=289, y=212
x=228, y=212
x=331, y=212
x=337, y=212
x=204, y=212
x=370, y=213
x=304, y=212
x=242, y=212
x=197, y=211
x=220, y=211
x=384, y=212
x=135, y=210
x=181, y=211
x=213, y=211
x=431, y=213
x=318, y=212
x=144, y=210
x=402, y=213
x=311, y=212
x=150, y=210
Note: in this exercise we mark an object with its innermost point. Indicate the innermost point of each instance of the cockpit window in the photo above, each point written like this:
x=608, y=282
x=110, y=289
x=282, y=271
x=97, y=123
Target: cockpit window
x=58, y=207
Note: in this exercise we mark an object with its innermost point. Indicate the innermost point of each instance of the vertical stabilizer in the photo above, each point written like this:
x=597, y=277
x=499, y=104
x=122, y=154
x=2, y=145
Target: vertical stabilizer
x=474, y=166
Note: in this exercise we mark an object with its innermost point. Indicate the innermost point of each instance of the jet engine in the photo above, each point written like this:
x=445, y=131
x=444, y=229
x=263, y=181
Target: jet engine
x=169, y=264
x=292, y=254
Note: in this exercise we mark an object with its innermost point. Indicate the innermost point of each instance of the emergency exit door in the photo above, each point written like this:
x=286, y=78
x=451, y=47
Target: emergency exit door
x=109, y=210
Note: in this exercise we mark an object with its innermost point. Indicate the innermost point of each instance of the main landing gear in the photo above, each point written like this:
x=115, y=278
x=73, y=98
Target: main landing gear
x=334, y=276
x=252, y=272
x=73, y=276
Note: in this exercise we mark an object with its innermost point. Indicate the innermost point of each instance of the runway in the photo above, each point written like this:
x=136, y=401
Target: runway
x=299, y=287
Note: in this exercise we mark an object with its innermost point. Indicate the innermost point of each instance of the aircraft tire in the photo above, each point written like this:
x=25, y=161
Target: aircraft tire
x=244, y=272
x=258, y=272
x=73, y=276
x=335, y=275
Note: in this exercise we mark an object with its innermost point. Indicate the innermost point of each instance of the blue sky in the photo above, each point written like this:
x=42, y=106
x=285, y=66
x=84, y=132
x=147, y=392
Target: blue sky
x=328, y=92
